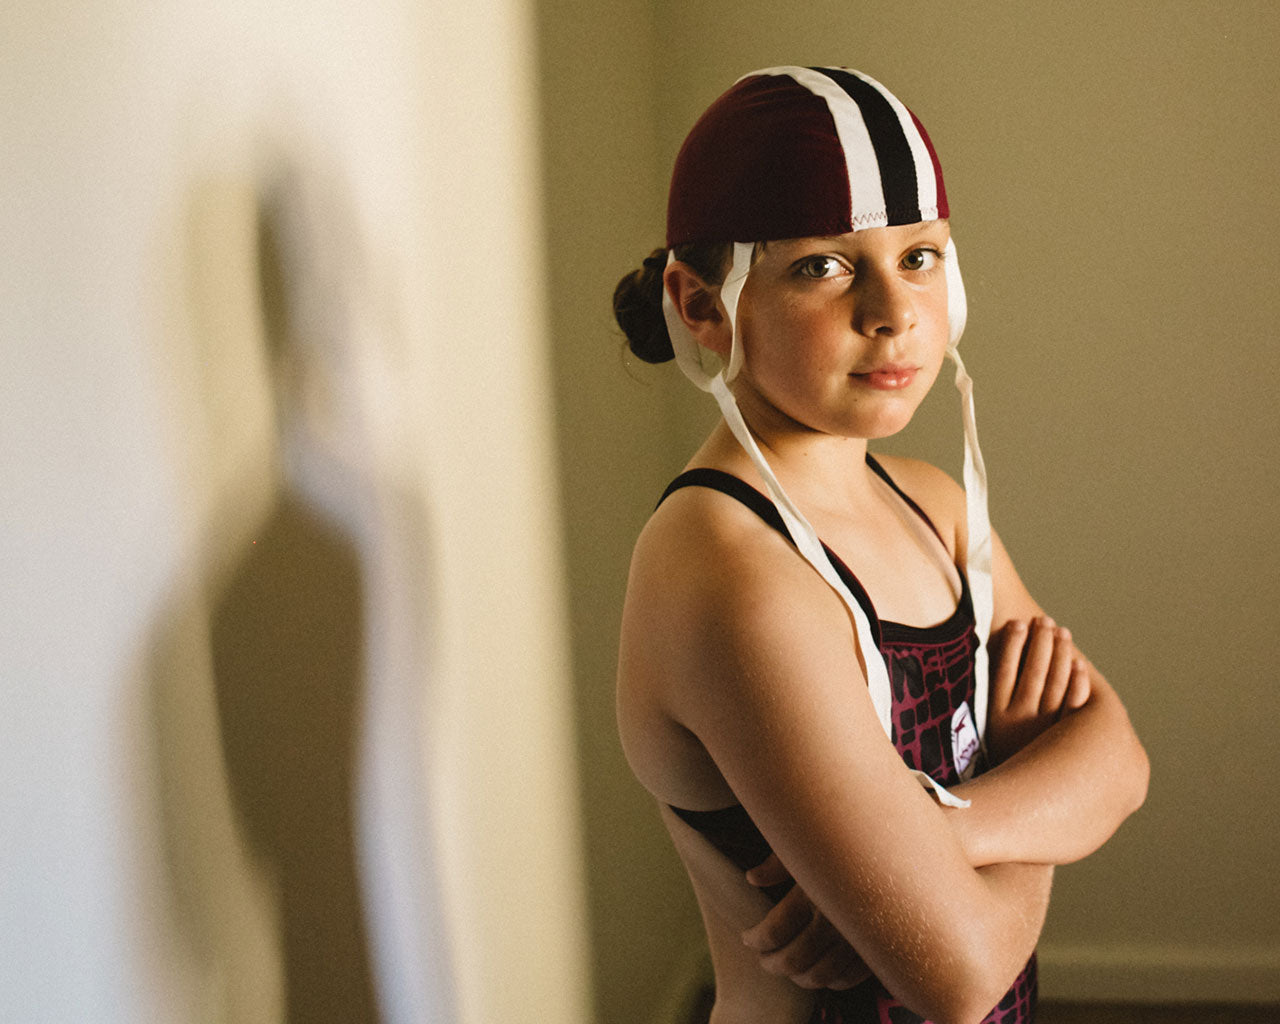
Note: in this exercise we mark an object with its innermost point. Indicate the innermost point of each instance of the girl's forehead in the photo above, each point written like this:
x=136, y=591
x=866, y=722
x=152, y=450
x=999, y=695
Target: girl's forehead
x=865, y=238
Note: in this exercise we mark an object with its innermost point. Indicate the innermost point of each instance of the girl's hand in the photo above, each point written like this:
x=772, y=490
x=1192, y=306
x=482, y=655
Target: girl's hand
x=796, y=942
x=1037, y=676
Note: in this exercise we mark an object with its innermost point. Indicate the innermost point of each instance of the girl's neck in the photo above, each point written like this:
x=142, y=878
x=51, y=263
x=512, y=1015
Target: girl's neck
x=818, y=471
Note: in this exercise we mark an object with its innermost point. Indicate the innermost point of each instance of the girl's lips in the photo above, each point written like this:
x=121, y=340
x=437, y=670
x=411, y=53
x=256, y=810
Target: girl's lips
x=889, y=378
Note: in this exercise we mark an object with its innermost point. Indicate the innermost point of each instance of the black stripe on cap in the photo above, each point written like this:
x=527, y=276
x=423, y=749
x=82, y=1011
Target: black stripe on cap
x=898, y=178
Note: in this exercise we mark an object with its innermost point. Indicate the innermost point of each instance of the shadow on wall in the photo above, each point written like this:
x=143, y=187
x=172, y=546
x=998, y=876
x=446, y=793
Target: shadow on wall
x=287, y=644
x=287, y=636
x=260, y=668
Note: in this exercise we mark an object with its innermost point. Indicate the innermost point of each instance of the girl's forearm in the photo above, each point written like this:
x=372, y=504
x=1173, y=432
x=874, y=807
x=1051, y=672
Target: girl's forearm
x=1060, y=797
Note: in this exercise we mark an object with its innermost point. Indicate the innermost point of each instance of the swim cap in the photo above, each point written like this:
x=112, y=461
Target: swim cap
x=800, y=152
x=794, y=152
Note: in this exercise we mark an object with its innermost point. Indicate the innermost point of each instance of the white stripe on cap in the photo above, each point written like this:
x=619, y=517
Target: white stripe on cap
x=926, y=177
x=865, y=194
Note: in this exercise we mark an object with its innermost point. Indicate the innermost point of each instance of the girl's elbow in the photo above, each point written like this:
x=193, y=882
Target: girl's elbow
x=965, y=1014
x=976, y=1000
x=1133, y=767
x=1141, y=776
x=969, y=998
x=1129, y=762
x=966, y=1005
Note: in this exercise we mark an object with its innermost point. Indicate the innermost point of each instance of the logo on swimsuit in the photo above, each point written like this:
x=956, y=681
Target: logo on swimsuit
x=964, y=738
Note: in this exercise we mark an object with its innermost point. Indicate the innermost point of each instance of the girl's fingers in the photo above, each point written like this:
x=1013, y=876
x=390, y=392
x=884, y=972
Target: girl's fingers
x=801, y=958
x=1035, y=665
x=770, y=872
x=839, y=968
x=1079, y=688
x=1058, y=677
x=1006, y=653
x=783, y=925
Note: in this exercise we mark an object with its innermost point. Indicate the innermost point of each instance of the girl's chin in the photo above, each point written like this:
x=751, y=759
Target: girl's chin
x=865, y=430
x=891, y=419
x=881, y=415
x=880, y=432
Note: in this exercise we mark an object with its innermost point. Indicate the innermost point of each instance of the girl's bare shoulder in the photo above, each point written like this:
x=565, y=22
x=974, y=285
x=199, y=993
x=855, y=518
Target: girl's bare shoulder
x=703, y=549
x=720, y=613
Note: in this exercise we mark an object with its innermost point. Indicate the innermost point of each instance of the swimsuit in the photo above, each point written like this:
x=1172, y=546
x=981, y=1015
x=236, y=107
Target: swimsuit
x=931, y=677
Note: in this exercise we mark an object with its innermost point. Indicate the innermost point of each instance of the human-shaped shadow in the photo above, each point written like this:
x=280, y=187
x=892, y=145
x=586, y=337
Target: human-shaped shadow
x=287, y=641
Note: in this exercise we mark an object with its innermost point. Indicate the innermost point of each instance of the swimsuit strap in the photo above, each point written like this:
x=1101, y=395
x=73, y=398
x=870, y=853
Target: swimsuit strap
x=740, y=490
x=883, y=474
x=735, y=487
x=743, y=492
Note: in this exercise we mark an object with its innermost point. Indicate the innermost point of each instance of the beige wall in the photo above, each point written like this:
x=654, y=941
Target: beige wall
x=1111, y=169
x=270, y=309
x=618, y=435
x=1111, y=173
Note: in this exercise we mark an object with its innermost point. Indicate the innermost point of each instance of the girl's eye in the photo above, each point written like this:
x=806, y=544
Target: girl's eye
x=921, y=259
x=818, y=267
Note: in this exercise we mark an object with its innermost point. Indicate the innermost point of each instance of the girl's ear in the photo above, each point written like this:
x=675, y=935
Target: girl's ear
x=698, y=305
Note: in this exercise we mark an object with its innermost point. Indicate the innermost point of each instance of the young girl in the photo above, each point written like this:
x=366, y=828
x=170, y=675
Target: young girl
x=869, y=825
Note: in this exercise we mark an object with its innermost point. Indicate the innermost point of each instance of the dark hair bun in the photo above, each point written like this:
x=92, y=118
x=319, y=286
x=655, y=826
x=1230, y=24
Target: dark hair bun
x=637, y=306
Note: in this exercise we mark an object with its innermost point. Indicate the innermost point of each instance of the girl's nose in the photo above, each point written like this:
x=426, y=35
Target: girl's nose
x=885, y=305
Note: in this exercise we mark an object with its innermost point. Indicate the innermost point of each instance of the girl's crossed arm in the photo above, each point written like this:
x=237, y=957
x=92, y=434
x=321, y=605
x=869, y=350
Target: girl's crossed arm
x=1068, y=766
x=782, y=708
x=1068, y=770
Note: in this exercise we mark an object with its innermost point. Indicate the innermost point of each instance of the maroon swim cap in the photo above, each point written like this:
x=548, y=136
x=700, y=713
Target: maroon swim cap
x=792, y=152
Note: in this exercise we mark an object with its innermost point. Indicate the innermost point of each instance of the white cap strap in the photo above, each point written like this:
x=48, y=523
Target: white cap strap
x=697, y=363
x=977, y=555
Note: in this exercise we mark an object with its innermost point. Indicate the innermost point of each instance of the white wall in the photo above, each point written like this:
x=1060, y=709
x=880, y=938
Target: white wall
x=149, y=441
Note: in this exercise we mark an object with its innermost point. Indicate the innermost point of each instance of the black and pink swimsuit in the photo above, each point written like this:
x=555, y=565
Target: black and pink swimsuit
x=931, y=676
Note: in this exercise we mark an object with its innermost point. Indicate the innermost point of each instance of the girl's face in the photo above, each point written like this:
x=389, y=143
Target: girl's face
x=845, y=335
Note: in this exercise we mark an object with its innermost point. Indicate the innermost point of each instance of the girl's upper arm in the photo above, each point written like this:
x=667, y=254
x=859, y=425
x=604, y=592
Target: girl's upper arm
x=1011, y=598
x=773, y=688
